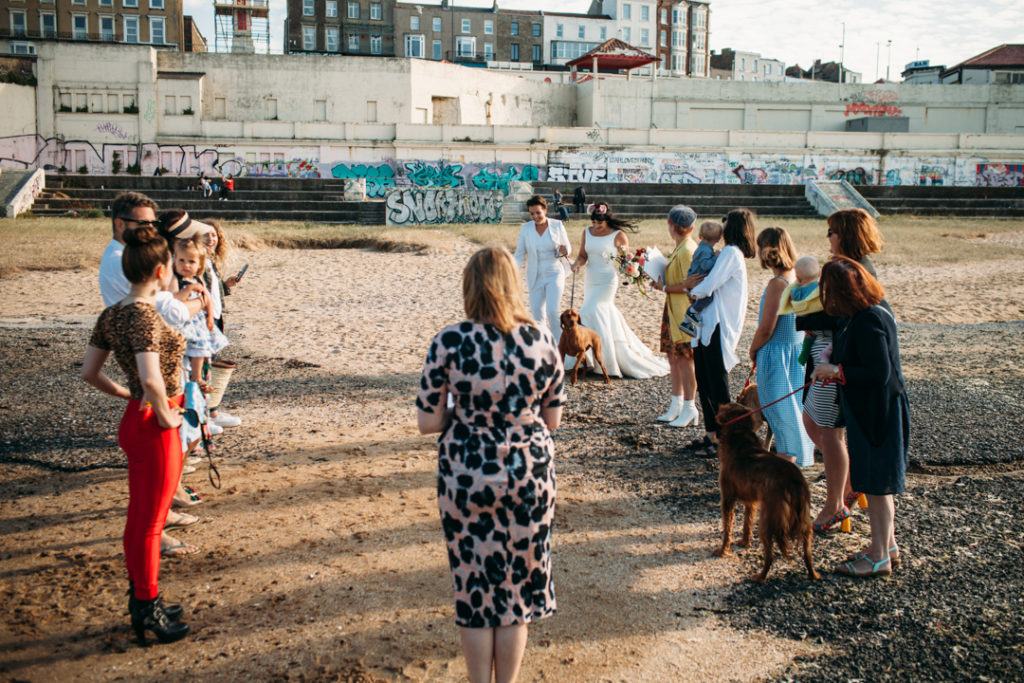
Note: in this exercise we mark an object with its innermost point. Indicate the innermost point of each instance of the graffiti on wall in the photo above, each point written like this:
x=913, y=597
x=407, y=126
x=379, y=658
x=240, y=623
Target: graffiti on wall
x=879, y=102
x=425, y=207
x=34, y=151
x=294, y=168
x=383, y=176
x=112, y=128
x=1000, y=175
x=577, y=173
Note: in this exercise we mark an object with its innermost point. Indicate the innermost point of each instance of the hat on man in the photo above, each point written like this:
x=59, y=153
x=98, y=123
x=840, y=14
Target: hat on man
x=186, y=228
x=682, y=215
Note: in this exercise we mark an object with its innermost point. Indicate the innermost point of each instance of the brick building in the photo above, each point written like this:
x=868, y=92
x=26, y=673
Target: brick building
x=346, y=27
x=682, y=37
x=23, y=23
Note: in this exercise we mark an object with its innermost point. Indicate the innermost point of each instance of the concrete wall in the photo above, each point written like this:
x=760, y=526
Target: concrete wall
x=19, y=109
x=709, y=104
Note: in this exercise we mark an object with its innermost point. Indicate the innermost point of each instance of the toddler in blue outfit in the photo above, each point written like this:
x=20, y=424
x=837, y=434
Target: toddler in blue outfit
x=701, y=264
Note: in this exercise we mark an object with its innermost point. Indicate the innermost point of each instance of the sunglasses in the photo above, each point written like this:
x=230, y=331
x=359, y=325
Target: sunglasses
x=150, y=224
x=830, y=232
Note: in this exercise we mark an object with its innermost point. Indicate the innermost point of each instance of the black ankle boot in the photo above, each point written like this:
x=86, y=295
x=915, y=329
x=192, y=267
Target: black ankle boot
x=173, y=612
x=149, y=615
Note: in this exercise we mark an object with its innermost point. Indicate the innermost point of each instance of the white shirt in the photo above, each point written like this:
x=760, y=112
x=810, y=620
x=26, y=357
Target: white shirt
x=540, y=252
x=728, y=282
x=215, y=300
x=114, y=286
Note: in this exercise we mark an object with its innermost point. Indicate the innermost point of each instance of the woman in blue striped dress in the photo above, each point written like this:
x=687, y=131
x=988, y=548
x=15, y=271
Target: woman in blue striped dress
x=775, y=350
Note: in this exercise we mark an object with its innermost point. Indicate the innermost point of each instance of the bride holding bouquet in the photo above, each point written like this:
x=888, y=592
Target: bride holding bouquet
x=623, y=353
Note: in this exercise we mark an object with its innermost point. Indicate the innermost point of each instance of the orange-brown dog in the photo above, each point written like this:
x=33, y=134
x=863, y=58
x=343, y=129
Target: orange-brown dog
x=575, y=341
x=750, y=474
x=749, y=397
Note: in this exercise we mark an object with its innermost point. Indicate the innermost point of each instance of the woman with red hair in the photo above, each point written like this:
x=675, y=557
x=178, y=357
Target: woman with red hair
x=866, y=361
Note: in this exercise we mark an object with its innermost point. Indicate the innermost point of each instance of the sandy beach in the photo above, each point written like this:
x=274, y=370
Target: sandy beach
x=323, y=556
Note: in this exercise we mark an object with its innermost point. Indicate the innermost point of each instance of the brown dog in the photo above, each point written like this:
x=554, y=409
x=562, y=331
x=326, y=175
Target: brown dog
x=750, y=474
x=575, y=341
x=750, y=398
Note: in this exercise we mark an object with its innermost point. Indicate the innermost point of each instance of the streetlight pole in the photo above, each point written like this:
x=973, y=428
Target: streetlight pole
x=878, y=51
x=842, y=55
x=888, y=58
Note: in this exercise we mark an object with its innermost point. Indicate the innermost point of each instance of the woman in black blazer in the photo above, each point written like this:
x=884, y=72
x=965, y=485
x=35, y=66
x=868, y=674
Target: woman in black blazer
x=866, y=360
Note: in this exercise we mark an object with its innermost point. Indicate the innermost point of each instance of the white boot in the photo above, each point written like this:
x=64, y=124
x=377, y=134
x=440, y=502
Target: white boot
x=688, y=415
x=673, y=409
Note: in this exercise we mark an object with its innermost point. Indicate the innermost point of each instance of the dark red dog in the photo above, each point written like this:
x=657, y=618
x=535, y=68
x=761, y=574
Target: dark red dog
x=750, y=474
x=575, y=341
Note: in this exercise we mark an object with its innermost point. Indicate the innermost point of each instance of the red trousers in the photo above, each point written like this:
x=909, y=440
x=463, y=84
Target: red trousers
x=154, y=468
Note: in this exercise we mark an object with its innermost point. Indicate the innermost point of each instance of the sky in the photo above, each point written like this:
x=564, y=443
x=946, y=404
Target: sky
x=797, y=31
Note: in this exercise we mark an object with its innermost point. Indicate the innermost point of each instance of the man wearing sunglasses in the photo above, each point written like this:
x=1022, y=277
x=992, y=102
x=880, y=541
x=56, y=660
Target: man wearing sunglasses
x=130, y=211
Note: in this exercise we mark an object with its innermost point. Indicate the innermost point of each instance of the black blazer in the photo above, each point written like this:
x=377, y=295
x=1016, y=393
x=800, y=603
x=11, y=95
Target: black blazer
x=867, y=348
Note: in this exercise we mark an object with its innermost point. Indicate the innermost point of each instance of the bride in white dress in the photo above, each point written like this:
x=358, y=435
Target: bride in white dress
x=623, y=353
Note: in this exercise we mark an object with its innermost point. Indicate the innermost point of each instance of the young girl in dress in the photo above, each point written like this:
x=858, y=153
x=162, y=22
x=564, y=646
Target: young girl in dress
x=202, y=335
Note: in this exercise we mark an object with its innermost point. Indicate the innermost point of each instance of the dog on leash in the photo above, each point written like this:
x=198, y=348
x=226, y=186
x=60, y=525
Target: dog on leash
x=750, y=474
x=750, y=398
x=575, y=341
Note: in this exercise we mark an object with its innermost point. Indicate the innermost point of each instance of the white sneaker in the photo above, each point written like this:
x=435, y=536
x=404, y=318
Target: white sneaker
x=215, y=429
x=225, y=420
x=687, y=416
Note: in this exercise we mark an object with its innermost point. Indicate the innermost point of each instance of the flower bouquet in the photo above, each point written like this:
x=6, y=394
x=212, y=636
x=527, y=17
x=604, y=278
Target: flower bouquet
x=631, y=266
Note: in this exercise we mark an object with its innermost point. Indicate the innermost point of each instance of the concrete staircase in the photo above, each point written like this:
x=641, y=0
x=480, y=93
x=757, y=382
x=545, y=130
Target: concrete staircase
x=993, y=202
x=651, y=200
x=264, y=199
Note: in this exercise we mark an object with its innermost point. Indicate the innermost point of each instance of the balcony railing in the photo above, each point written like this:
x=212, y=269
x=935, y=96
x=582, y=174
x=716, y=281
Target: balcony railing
x=78, y=36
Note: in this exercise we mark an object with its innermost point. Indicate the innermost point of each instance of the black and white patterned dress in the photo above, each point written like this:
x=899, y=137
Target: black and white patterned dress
x=496, y=479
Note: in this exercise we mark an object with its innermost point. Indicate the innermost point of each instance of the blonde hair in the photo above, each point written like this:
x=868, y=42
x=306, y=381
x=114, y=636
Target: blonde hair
x=222, y=251
x=807, y=268
x=192, y=243
x=491, y=291
x=710, y=230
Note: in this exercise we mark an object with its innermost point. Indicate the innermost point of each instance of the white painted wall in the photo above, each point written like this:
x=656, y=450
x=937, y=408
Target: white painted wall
x=18, y=103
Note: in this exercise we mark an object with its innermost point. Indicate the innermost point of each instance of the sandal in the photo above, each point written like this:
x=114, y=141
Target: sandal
x=881, y=568
x=894, y=556
x=193, y=498
x=183, y=521
x=836, y=519
x=180, y=550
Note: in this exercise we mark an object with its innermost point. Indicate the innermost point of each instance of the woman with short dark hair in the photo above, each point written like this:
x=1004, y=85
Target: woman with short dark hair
x=865, y=360
x=714, y=353
x=542, y=243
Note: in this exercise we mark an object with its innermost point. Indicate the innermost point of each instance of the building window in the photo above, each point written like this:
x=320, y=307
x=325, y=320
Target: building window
x=103, y=3
x=170, y=105
x=80, y=26
x=488, y=27
x=663, y=38
x=645, y=37
x=48, y=25
x=81, y=103
x=371, y=111
x=353, y=10
x=679, y=17
x=645, y=13
x=627, y=34
x=376, y=44
x=467, y=26
x=414, y=23
x=698, y=43
x=186, y=104
x=308, y=8
x=465, y=47
x=18, y=24
x=107, y=29
x=308, y=38
x=437, y=24
x=604, y=33
x=535, y=53
x=129, y=3
x=332, y=40
x=489, y=51
x=627, y=11
x=513, y=29
x=743, y=63
x=376, y=11
x=664, y=16
x=156, y=30
x=436, y=50
x=581, y=32
x=19, y=48
x=332, y=8
x=559, y=32
x=77, y=2
x=271, y=109
x=320, y=110
x=414, y=46
x=699, y=19
x=513, y=52
x=536, y=30
x=113, y=104
x=353, y=42
x=156, y=4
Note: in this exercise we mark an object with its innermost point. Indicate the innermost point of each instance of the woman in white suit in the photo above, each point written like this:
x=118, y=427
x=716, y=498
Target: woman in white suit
x=542, y=242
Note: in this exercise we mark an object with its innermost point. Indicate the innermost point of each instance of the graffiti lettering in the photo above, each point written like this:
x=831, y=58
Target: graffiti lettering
x=494, y=179
x=561, y=173
x=113, y=129
x=878, y=110
x=856, y=176
x=422, y=174
x=296, y=168
x=379, y=178
x=1000, y=175
x=418, y=207
x=751, y=176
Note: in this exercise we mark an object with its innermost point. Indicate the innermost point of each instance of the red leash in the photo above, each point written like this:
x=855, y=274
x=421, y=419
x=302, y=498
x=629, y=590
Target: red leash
x=841, y=381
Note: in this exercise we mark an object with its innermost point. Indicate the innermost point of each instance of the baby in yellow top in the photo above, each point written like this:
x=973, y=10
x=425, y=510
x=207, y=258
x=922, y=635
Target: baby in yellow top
x=802, y=296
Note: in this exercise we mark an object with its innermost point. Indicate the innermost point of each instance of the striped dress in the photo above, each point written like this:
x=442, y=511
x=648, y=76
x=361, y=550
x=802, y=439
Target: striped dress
x=779, y=372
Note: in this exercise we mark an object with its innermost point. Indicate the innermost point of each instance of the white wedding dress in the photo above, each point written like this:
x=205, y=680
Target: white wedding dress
x=623, y=353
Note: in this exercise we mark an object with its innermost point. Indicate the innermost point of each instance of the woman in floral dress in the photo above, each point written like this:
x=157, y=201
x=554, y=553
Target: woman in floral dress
x=493, y=387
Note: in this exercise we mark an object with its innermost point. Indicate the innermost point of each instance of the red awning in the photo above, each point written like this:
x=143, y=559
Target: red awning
x=614, y=54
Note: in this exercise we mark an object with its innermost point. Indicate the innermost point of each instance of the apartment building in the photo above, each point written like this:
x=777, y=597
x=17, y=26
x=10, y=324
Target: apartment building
x=346, y=27
x=683, y=32
x=24, y=23
x=636, y=21
x=737, y=65
x=469, y=35
x=568, y=36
